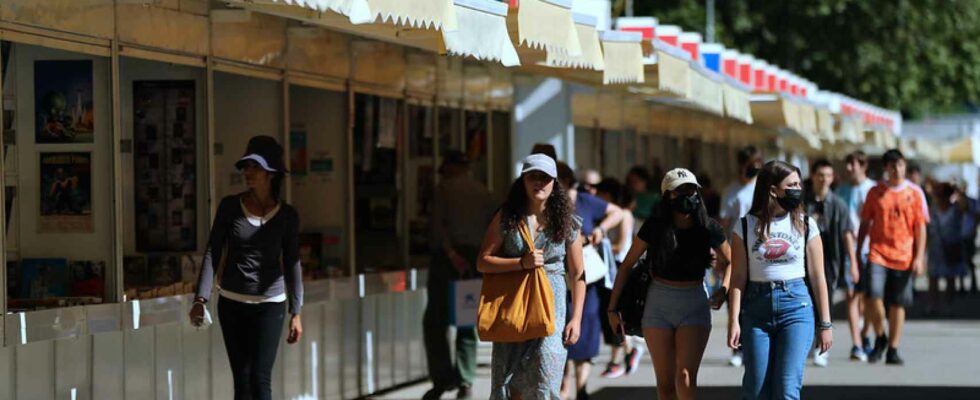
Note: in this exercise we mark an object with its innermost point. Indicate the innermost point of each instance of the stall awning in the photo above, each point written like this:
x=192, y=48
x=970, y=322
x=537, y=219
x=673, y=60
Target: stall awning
x=787, y=116
x=705, y=89
x=825, y=125
x=736, y=97
x=623, y=55
x=588, y=37
x=437, y=14
x=431, y=25
x=547, y=25
x=672, y=68
x=481, y=32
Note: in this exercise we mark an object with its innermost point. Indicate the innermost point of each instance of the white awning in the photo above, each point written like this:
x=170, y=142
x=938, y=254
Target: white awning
x=672, y=69
x=438, y=14
x=588, y=37
x=736, y=97
x=705, y=90
x=481, y=32
x=623, y=57
x=548, y=25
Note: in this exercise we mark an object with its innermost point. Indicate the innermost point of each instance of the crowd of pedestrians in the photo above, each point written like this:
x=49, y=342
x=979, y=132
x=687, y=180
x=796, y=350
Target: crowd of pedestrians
x=775, y=246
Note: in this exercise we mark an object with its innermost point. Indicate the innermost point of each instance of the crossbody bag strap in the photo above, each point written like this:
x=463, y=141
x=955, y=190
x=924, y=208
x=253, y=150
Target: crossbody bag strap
x=745, y=243
x=526, y=234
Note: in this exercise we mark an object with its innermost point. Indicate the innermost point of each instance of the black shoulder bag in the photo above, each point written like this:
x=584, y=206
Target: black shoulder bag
x=633, y=298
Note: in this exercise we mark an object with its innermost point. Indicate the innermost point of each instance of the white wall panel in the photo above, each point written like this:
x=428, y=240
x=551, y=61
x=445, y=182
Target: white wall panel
x=139, y=364
x=169, y=363
x=35, y=370
x=196, y=355
x=351, y=348
x=312, y=352
x=72, y=368
x=107, y=366
x=6, y=373
x=332, y=370
x=385, y=353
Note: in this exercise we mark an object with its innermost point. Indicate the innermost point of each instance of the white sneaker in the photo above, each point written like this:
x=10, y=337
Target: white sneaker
x=821, y=360
x=736, y=360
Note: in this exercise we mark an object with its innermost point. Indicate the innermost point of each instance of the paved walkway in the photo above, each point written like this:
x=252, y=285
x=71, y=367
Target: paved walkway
x=942, y=363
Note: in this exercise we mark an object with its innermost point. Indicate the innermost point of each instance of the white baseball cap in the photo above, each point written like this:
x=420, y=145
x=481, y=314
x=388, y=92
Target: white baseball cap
x=540, y=162
x=676, y=178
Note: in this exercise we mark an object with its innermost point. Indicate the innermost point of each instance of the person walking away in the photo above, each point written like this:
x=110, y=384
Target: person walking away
x=736, y=201
x=533, y=369
x=777, y=259
x=258, y=233
x=893, y=221
x=676, y=322
x=838, y=236
x=598, y=217
x=854, y=191
x=461, y=210
x=945, y=247
x=611, y=191
x=970, y=208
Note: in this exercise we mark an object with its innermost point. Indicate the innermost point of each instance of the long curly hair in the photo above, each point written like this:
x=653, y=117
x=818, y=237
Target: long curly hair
x=558, y=210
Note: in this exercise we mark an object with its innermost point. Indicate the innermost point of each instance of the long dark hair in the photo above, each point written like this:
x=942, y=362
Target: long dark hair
x=764, y=205
x=558, y=210
x=665, y=241
x=275, y=185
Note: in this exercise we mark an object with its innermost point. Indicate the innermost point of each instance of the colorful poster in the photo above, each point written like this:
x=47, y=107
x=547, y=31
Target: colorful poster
x=63, y=101
x=87, y=278
x=66, y=193
x=43, y=277
x=298, y=156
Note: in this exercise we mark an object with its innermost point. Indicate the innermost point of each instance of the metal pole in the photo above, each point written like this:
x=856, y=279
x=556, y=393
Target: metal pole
x=709, y=29
x=629, y=8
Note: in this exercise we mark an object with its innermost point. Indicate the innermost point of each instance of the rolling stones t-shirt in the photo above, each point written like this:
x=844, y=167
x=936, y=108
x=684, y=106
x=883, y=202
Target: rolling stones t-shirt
x=779, y=257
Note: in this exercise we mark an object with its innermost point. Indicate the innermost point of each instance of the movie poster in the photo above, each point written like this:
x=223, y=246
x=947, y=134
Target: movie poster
x=66, y=193
x=63, y=101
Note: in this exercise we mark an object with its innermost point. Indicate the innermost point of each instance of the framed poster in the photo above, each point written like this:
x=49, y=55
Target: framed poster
x=66, y=193
x=165, y=165
x=64, y=107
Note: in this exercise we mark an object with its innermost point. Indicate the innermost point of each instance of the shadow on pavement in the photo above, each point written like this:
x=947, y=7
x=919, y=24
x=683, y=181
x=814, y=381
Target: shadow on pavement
x=810, y=392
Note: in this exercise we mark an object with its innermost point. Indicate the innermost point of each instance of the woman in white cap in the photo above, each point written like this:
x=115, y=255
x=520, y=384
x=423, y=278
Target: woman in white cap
x=532, y=370
x=678, y=239
x=258, y=233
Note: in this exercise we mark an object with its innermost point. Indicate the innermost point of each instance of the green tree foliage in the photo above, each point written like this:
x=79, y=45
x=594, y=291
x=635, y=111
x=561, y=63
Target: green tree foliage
x=918, y=56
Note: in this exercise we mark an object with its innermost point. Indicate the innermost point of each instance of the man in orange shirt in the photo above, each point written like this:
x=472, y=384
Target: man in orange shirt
x=893, y=220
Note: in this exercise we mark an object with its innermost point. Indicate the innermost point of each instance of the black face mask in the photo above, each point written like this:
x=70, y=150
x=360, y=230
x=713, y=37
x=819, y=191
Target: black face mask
x=752, y=172
x=686, y=204
x=791, y=200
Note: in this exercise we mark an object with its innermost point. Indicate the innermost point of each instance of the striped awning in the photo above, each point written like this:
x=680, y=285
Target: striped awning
x=548, y=25
x=623, y=55
x=481, y=32
x=588, y=37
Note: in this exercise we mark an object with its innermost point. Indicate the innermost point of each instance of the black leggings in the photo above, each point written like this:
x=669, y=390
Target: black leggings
x=251, y=333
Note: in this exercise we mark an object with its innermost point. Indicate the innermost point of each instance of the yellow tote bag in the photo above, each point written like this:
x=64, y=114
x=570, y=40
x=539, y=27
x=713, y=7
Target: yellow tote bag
x=516, y=306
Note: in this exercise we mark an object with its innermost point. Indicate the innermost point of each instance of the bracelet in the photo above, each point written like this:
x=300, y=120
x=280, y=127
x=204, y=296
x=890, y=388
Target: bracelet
x=825, y=325
x=200, y=300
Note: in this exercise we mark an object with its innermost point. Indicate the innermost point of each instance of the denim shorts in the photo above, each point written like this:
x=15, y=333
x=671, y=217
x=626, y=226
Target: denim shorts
x=892, y=286
x=672, y=307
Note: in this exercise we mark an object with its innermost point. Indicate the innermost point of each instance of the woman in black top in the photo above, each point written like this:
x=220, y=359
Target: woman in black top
x=258, y=234
x=679, y=239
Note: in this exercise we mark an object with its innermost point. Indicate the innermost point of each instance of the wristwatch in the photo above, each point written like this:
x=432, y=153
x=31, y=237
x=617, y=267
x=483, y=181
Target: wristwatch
x=825, y=325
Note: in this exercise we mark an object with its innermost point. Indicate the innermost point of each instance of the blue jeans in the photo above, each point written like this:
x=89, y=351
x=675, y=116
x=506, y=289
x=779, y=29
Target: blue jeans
x=777, y=334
